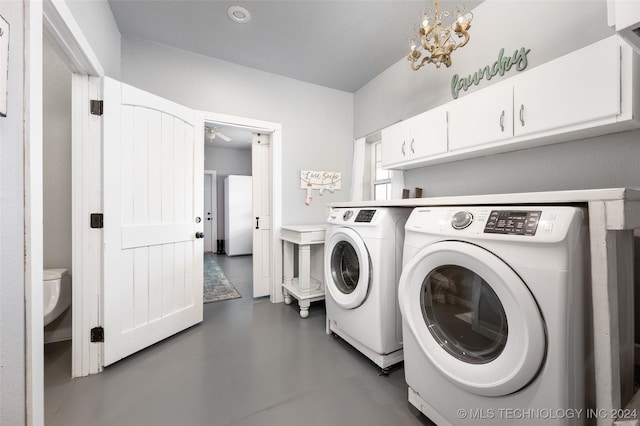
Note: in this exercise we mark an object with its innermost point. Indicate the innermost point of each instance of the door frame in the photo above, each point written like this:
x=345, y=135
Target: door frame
x=55, y=21
x=275, y=129
x=214, y=202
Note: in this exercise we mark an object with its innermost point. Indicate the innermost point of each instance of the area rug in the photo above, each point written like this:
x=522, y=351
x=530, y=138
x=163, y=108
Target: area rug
x=217, y=286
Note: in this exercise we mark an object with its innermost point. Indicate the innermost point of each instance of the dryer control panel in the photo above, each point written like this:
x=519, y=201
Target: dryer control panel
x=365, y=216
x=513, y=222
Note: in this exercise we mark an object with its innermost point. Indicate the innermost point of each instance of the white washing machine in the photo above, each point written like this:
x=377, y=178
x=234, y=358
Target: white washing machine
x=362, y=264
x=492, y=306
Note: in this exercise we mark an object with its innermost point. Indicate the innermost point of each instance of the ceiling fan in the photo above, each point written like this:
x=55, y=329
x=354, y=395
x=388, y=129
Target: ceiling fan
x=214, y=132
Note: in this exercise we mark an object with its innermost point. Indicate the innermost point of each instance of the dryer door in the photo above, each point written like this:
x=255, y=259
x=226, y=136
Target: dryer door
x=473, y=317
x=347, y=267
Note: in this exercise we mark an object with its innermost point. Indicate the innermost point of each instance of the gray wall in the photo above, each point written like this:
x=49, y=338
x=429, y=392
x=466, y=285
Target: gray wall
x=317, y=122
x=12, y=312
x=606, y=161
x=226, y=162
x=549, y=28
x=96, y=22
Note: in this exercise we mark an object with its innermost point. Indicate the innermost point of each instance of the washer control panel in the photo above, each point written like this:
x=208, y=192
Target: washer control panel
x=513, y=222
x=365, y=216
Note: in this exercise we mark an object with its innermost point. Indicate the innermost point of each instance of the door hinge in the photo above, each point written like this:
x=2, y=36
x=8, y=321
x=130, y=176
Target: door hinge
x=97, y=335
x=97, y=220
x=96, y=107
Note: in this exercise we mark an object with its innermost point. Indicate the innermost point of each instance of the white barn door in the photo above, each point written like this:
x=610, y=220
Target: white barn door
x=153, y=249
x=261, y=171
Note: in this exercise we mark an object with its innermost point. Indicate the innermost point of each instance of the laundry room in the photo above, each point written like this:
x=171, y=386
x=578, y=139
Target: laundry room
x=477, y=264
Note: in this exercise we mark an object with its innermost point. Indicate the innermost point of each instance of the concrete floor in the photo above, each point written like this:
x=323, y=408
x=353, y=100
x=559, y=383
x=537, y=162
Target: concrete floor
x=250, y=362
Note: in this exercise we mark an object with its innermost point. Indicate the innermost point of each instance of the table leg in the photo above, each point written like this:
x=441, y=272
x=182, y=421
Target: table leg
x=304, y=308
x=304, y=267
x=287, y=269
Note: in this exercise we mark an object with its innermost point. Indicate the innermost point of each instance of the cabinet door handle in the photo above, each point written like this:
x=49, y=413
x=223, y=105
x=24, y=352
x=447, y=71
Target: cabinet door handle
x=502, y=121
x=403, y=144
x=413, y=151
x=257, y=223
x=522, y=114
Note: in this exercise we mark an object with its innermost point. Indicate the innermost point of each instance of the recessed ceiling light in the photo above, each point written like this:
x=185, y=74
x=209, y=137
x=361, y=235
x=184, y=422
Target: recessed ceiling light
x=239, y=14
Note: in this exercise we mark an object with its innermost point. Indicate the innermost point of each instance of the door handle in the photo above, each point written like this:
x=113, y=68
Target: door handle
x=502, y=121
x=257, y=222
x=522, y=114
x=403, y=144
x=413, y=151
x=199, y=234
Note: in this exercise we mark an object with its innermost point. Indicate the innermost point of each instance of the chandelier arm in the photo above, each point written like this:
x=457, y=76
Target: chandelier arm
x=420, y=65
x=465, y=34
x=424, y=38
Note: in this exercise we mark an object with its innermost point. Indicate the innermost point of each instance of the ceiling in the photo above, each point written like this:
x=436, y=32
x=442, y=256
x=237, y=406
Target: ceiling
x=332, y=43
x=240, y=137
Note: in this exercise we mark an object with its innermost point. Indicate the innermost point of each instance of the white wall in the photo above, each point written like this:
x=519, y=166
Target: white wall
x=225, y=162
x=317, y=123
x=12, y=295
x=99, y=27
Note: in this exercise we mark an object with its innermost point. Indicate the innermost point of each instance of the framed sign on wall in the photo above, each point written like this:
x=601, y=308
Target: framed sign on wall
x=4, y=65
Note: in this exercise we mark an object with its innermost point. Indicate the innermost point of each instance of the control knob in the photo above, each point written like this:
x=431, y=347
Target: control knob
x=347, y=215
x=461, y=220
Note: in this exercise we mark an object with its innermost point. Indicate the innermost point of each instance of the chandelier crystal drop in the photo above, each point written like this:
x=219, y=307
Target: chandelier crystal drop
x=435, y=41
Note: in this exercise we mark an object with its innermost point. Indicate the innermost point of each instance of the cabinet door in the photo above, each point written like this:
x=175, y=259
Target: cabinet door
x=394, y=144
x=482, y=117
x=576, y=88
x=427, y=134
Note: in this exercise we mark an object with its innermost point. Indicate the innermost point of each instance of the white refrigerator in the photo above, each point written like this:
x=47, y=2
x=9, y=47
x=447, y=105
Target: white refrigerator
x=238, y=223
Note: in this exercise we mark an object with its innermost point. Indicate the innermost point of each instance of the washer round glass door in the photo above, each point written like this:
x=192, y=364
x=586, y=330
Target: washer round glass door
x=473, y=317
x=348, y=268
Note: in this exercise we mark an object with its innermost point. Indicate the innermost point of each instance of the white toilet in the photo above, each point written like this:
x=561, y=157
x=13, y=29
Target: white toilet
x=56, y=293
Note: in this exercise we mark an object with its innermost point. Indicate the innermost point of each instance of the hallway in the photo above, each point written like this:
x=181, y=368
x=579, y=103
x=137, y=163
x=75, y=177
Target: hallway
x=250, y=362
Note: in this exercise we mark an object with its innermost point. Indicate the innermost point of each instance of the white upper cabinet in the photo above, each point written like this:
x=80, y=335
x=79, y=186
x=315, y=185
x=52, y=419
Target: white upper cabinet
x=575, y=88
x=428, y=133
x=589, y=92
x=482, y=117
x=394, y=144
x=420, y=136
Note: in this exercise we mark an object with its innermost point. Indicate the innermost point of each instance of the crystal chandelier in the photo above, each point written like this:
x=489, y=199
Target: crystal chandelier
x=435, y=40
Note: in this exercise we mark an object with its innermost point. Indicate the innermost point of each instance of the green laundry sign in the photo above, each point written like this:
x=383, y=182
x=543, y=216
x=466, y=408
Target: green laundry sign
x=502, y=65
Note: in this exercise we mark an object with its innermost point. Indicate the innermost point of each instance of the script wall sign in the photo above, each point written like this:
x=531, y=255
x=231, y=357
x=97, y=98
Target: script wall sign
x=502, y=65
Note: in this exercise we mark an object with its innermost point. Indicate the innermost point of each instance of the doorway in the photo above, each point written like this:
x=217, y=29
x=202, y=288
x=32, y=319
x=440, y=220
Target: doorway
x=243, y=182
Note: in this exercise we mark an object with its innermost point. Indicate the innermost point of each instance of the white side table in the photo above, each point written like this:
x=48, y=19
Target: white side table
x=303, y=287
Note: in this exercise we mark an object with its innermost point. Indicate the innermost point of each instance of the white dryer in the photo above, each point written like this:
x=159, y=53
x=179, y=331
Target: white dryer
x=492, y=302
x=362, y=264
